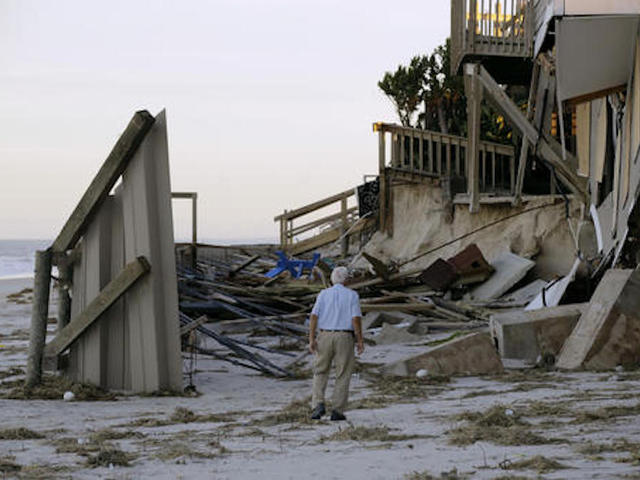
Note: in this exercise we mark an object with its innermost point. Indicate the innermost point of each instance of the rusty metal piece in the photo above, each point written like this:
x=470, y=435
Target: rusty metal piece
x=440, y=275
x=471, y=266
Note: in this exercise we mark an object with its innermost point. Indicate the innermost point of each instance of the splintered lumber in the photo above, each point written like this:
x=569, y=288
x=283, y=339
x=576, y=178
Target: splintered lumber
x=380, y=268
x=39, y=315
x=111, y=169
x=397, y=307
x=234, y=345
x=437, y=305
x=188, y=327
x=131, y=273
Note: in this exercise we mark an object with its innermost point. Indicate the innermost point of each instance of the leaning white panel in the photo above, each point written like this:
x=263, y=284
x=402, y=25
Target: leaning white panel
x=152, y=303
x=593, y=53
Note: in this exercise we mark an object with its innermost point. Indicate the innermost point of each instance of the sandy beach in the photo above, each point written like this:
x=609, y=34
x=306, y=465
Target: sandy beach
x=244, y=426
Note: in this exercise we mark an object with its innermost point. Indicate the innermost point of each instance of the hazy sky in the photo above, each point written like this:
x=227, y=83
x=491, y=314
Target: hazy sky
x=269, y=103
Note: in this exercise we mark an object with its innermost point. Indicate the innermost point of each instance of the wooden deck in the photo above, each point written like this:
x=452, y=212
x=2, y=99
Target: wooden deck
x=498, y=32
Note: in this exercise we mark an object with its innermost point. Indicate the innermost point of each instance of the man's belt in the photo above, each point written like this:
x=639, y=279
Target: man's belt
x=350, y=331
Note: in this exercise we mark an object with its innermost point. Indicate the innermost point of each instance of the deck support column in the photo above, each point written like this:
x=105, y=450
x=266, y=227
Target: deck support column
x=473, y=91
x=39, y=316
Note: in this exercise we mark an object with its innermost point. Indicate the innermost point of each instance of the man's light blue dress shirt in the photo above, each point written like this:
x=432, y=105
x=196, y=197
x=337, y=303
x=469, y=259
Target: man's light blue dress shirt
x=336, y=307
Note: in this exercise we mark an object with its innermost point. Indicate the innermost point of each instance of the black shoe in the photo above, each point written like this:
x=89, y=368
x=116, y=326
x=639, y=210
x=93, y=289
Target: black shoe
x=318, y=412
x=336, y=416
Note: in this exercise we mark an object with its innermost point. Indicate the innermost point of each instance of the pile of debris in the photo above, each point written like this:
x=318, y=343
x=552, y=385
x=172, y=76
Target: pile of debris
x=468, y=316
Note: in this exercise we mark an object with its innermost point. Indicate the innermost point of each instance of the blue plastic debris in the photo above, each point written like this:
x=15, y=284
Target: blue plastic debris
x=295, y=266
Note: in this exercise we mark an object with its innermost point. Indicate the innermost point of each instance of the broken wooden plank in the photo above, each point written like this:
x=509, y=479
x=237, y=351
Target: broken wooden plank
x=186, y=328
x=104, y=181
x=243, y=265
x=397, y=307
x=131, y=273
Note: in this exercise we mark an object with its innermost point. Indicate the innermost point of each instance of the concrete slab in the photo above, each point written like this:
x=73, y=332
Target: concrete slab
x=473, y=354
x=554, y=291
x=526, y=293
x=510, y=269
x=526, y=335
x=608, y=332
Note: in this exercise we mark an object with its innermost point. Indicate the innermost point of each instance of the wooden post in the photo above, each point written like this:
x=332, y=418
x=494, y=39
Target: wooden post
x=283, y=238
x=473, y=89
x=194, y=230
x=382, y=178
x=39, y=315
x=65, y=277
x=344, y=243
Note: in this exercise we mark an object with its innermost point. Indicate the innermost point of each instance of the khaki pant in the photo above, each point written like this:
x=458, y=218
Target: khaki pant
x=336, y=347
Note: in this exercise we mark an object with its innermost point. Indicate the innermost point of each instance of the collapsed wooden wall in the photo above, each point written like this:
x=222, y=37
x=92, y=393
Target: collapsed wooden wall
x=135, y=344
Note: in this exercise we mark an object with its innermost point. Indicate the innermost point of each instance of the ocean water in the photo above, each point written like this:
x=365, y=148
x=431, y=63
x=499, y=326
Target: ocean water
x=17, y=257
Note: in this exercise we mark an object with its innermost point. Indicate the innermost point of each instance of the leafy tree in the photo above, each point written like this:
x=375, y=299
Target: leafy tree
x=444, y=103
x=426, y=95
x=404, y=88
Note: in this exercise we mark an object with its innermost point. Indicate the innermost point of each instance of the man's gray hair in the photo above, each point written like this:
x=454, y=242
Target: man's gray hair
x=339, y=275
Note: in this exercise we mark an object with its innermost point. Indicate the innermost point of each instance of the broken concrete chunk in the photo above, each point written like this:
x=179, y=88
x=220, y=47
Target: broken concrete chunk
x=377, y=319
x=510, y=269
x=471, y=266
x=472, y=354
x=608, y=332
x=395, y=334
x=526, y=335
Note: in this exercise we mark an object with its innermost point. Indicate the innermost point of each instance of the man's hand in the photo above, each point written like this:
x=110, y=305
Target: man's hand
x=360, y=347
x=313, y=345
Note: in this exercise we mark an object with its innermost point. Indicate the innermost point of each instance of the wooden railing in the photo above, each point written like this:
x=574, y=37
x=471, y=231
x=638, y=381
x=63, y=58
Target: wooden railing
x=320, y=231
x=491, y=28
x=436, y=155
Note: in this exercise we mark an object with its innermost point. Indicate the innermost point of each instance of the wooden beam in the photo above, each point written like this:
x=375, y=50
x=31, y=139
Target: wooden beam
x=131, y=273
x=546, y=147
x=103, y=182
x=502, y=102
x=524, y=150
x=473, y=89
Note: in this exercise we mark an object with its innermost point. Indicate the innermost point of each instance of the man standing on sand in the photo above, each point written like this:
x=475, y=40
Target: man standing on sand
x=337, y=315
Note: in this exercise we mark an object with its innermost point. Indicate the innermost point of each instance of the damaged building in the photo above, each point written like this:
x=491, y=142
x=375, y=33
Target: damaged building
x=553, y=213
